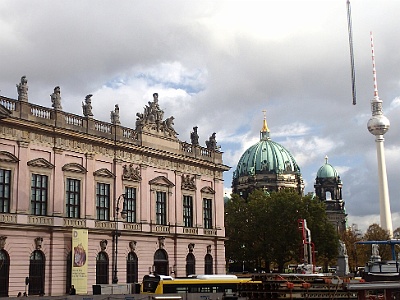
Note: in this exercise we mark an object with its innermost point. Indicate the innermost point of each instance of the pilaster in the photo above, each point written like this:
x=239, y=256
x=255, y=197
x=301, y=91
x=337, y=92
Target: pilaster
x=23, y=181
x=90, y=198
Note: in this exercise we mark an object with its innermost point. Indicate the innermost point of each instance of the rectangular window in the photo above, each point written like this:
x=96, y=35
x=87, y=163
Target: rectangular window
x=5, y=185
x=73, y=198
x=103, y=201
x=188, y=211
x=130, y=204
x=207, y=211
x=161, y=208
x=39, y=186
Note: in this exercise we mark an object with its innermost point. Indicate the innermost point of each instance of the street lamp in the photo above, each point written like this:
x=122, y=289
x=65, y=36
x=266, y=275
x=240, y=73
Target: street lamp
x=117, y=234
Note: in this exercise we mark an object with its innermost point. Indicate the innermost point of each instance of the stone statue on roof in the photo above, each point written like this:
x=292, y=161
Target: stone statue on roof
x=152, y=120
x=87, y=106
x=212, y=143
x=194, y=137
x=168, y=126
x=22, y=89
x=115, y=115
x=152, y=112
x=56, y=98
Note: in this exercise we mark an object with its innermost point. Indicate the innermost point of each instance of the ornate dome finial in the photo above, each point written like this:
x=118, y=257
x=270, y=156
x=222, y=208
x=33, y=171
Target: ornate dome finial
x=326, y=159
x=264, y=133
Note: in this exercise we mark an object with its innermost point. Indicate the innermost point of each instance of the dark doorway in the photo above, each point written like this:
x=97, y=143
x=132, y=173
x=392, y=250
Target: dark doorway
x=132, y=268
x=161, y=262
x=68, y=279
x=190, y=264
x=102, y=268
x=208, y=264
x=4, y=273
x=37, y=264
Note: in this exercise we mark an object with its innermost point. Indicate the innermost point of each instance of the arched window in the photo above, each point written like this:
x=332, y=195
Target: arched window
x=190, y=264
x=4, y=272
x=102, y=268
x=68, y=279
x=36, y=273
x=161, y=262
x=208, y=264
x=132, y=268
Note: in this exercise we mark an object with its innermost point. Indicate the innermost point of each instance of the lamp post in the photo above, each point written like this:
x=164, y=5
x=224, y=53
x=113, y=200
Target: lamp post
x=116, y=234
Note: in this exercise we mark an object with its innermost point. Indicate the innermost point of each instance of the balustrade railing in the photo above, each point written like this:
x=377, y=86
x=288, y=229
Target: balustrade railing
x=76, y=122
x=102, y=126
x=8, y=103
x=41, y=112
x=129, y=133
x=73, y=120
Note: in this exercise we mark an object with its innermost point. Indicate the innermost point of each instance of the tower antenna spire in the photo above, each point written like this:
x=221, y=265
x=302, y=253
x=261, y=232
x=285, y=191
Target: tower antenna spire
x=378, y=125
x=373, y=67
x=353, y=72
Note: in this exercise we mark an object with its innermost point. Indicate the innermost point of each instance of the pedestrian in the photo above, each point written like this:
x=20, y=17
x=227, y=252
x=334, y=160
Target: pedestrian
x=72, y=290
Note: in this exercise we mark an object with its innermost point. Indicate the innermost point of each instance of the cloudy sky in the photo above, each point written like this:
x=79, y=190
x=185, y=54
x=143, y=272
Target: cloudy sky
x=217, y=65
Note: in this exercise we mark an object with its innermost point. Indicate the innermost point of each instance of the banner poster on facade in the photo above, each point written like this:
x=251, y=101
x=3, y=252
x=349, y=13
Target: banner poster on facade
x=79, y=260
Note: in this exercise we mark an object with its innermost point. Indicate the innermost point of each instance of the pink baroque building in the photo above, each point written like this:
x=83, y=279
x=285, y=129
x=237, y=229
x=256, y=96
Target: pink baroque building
x=150, y=203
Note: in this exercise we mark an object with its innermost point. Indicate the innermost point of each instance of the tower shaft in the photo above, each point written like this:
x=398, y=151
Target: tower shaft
x=384, y=203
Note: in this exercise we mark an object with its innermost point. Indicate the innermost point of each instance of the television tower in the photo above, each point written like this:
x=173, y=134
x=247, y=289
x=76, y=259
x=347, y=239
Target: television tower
x=378, y=125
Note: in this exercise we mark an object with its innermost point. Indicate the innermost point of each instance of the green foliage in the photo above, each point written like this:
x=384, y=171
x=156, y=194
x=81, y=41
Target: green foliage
x=377, y=233
x=264, y=229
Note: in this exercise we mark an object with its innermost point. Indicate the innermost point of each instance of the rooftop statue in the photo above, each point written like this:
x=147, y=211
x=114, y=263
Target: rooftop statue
x=168, y=126
x=22, y=89
x=56, y=98
x=87, y=106
x=115, y=115
x=152, y=119
x=194, y=137
x=212, y=142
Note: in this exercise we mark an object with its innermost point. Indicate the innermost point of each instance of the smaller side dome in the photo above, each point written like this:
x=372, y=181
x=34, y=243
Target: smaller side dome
x=327, y=170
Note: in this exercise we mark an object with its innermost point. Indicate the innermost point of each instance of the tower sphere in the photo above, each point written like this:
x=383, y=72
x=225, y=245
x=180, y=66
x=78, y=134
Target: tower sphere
x=378, y=125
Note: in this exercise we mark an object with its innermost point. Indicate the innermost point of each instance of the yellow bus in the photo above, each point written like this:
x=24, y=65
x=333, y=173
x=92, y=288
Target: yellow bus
x=204, y=287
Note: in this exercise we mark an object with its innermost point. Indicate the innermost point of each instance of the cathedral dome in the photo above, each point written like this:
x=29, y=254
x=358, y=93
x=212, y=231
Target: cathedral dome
x=266, y=165
x=266, y=156
x=327, y=170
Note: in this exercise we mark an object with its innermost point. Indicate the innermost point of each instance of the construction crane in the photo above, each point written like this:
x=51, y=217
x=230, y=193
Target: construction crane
x=353, y=72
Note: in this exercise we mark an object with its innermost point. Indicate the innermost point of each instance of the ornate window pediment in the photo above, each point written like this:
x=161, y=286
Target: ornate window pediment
x=103, y=173
x=207, y=190
x=8, y=157
x=74, y=167
x=41, y=163
x=161, y=180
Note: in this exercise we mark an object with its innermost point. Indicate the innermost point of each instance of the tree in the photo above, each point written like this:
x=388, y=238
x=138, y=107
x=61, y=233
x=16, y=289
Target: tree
x=350, y=237
x=236, y=229
x=377, y=233
x=323, y=233
x=264, y=229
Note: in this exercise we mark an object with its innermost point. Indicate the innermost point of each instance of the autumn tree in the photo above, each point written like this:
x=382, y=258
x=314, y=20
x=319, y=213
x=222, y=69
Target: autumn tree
x=264, y=229
x=350, y=237
x=376, y=233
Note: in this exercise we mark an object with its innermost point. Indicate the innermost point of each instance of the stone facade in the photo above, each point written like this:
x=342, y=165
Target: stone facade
x=45, y=151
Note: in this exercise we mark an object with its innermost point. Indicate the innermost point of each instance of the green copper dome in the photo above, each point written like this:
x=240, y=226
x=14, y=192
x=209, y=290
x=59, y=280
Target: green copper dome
x=266, y=156
x=327, y=170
